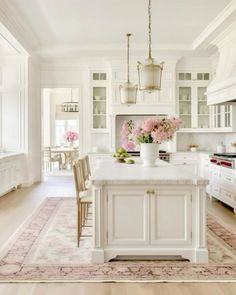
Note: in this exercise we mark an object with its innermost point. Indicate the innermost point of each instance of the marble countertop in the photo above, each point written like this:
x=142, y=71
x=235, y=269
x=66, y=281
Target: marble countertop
x=111, y=172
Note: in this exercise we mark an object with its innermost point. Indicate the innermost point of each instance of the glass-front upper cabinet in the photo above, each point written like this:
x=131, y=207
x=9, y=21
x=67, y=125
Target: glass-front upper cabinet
x=192, y=100
x=99, y=100
x=222, y=116
x=185, y=106
x=99, y=107
x=203, y=116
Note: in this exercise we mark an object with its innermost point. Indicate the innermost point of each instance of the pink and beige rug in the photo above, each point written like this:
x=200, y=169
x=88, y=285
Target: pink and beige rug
x=45, y=249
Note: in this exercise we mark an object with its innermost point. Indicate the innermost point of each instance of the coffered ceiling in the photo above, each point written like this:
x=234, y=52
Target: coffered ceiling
x=94, y=24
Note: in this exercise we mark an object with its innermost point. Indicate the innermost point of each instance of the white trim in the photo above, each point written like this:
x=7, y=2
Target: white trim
x=13, y=22
x=215, y=24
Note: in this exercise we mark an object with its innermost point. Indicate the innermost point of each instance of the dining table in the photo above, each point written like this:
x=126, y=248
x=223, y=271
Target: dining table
x=69, y=153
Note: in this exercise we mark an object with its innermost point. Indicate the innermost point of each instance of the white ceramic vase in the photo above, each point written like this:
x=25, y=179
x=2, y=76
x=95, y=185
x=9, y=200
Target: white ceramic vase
x=149, y=152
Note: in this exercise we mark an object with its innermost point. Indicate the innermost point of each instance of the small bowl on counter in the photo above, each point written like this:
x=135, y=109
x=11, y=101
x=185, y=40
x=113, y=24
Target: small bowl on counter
x=193, y=148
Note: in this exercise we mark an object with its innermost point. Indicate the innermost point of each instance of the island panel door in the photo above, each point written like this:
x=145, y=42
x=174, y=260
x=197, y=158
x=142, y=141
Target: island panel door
x=171, y=217
x=128, y=217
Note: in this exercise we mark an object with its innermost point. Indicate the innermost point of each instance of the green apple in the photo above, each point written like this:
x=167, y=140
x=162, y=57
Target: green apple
x=130, y=161
x=121, y=150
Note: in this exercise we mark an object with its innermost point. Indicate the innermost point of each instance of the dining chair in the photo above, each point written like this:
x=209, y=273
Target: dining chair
x=51, y=158
x=84, y=199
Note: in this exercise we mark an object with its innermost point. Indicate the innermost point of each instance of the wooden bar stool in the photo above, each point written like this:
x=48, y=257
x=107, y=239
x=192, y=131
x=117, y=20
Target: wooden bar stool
x=84, y=199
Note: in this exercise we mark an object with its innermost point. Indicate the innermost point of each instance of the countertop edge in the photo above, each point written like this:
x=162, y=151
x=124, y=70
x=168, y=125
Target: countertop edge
x=192, y=182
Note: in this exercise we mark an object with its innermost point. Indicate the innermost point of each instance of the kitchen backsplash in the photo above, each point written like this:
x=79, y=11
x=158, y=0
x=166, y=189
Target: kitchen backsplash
x=229, y=138
x=205, y=141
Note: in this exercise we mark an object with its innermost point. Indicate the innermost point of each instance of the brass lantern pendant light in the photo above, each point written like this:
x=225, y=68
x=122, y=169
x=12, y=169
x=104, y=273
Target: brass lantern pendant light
x=149, y=71
x=128, y=91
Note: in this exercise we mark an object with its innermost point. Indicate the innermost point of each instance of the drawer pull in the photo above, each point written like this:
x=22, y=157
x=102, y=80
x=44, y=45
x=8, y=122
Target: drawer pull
x=150, y=191
x=228, y=178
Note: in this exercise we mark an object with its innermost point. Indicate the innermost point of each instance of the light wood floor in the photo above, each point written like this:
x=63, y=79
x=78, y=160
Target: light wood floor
x=16, y=206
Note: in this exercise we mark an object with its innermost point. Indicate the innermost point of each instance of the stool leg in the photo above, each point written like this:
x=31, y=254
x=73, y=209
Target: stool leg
x=81, y=216
x=78, y=225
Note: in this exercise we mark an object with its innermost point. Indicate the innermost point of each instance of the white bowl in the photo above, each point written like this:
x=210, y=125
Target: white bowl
x=193, y=149
x=97, y=97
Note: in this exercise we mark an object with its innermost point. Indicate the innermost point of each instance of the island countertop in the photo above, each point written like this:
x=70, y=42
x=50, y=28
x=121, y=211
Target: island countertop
x=111, y=172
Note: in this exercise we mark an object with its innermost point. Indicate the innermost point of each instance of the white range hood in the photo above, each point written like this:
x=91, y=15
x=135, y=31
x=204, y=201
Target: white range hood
x=222, y=89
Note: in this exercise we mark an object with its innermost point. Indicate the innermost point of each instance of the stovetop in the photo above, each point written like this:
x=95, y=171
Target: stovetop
x=226, y=155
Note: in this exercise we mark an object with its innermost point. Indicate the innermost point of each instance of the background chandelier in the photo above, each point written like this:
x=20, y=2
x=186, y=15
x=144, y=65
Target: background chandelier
x=149, y=71
x=128, y=91
x=70, y=106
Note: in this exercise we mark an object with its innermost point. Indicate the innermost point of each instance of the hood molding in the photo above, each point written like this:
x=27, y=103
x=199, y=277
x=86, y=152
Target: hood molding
x=223, y=87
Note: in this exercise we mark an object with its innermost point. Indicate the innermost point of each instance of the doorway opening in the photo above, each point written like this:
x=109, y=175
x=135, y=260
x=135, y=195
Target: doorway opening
x=60, y=132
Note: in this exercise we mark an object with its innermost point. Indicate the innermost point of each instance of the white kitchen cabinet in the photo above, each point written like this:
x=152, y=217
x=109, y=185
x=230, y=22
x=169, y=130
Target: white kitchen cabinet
x=223, y=118
x=184, y=158
x=223, y=184
x=99, y=101
x=11, y=173
x=148, y=209
x=192, y=101
x=122, y=230
x=175, y=227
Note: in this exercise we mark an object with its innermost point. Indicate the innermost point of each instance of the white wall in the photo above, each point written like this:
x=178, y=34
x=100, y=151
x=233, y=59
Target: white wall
x=33, y=124
x=12, y=89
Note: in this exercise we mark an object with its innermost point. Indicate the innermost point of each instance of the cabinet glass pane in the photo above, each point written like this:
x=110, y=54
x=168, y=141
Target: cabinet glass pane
x=199, y=76
x=99, y=107
x=227, y=116
x=218, y=115
x=188, y=76
x=95, y=76
x=181, y=76
x=185, y=96
x=103, y=76
x=206, y=76
x=203, y=109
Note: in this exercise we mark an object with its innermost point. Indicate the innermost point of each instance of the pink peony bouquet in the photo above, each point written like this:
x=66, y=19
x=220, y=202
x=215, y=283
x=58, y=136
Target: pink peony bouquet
x=151, y=130
x=71, y=136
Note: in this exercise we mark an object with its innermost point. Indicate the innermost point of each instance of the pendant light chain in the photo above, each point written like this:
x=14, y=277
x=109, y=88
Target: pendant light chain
x=128, y=46
x=150, y=29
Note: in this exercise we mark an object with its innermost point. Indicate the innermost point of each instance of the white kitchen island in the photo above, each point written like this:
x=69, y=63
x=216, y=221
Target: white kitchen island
x=148, y=211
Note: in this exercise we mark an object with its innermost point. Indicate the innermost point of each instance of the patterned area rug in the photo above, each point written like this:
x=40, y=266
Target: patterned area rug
x=45, y=249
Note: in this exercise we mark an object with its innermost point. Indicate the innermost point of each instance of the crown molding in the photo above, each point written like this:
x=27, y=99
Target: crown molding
x=15, y=24
x=219, y=24
x=226, y=36
x=108, y=50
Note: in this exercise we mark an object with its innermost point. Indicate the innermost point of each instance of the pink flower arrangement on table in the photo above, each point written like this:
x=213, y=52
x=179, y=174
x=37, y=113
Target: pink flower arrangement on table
x=71, y=136
x=151, y=130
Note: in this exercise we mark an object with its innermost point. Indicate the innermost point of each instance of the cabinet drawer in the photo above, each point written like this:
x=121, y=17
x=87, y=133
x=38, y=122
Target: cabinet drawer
x=184, y=162
x=214, y=173
x=227, y=178
x=184, y=158
x=227, y=194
